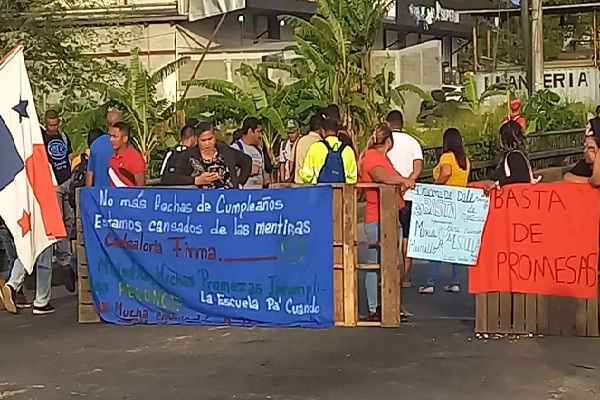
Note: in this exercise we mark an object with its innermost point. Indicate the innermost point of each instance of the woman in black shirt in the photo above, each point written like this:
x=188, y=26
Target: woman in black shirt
x=515, y=166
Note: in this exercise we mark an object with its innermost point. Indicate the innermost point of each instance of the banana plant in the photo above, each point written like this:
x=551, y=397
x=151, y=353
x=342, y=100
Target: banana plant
x=137, y=99
x=272, y=102
x=496, y=89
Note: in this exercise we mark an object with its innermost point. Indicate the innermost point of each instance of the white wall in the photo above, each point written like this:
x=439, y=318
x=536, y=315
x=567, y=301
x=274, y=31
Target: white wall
x=162, y=43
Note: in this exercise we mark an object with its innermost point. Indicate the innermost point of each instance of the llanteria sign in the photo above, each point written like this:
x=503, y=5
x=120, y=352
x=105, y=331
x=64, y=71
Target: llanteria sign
x=428, y=15
x=574, y=84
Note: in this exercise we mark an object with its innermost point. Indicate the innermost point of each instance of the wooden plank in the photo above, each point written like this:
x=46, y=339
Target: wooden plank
x=82, y=270
x=593, y=317
x=555, y=312
x=350, y=256
x=531, y=313
x=562, y=313
x=518, y=313
x=505, y=312
x=390, y=255
x=84, y=292
x=338, y=299
x=568, y=316
x=88, y=314
x=338, y=221
x=338, y=256
x=85, y=297
x=481, y=313
x=581, y=318
x=369, y=266
x=370, y=324
x=543, y=327
x=81, y=256
x=493, y=312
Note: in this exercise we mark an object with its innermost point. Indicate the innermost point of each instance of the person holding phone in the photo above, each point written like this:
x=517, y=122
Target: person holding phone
x=218, y=165
x=208, y=164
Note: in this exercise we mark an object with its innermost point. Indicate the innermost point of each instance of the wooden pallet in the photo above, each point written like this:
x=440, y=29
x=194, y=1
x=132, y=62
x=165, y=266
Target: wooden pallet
x=86, y=309
x=345, y=250
x=514, y=313
x=345, y=256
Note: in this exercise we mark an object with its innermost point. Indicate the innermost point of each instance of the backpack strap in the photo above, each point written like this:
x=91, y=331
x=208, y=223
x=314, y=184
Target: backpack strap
x=326, y=143
x=507, y=170
x=238, y=145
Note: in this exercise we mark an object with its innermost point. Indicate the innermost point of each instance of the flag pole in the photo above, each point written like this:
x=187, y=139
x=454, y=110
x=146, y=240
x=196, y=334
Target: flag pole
x=10, y=54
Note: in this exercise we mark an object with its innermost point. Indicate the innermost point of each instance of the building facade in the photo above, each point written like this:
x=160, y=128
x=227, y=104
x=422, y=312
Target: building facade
x=418, y=38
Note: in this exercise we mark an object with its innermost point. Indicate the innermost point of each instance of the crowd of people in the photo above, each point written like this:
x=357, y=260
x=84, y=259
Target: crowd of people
x=326, y=154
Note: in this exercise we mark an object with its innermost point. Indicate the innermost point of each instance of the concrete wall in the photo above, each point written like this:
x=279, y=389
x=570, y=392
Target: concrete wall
x=162, y=43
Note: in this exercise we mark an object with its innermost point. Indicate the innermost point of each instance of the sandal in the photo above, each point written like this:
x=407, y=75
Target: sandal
x=454, y=288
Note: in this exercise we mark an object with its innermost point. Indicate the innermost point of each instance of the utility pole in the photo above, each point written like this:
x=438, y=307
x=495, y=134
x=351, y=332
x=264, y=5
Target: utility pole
x=527, y=48
x=538, y=44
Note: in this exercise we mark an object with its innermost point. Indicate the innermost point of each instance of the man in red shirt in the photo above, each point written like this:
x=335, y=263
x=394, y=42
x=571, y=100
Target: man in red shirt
x=515, y=114
x=127, y=166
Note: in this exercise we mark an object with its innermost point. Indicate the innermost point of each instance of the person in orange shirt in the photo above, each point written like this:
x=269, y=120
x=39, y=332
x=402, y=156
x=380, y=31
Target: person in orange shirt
x=515, y=114
x=376, y=167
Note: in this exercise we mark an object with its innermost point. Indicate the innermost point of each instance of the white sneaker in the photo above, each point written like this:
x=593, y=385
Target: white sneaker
x=428, y=289
x=452, y=288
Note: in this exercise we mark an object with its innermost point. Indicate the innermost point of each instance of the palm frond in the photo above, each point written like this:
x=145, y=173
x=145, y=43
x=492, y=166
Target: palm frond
x=162, y=73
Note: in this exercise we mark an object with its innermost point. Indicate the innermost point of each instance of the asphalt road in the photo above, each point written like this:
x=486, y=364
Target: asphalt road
x=435, y=356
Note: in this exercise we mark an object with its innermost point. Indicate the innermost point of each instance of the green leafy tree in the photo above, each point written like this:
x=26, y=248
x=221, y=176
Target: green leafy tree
x=272, y=102
x=57, y=51
x=337, y=44
x=150, y=118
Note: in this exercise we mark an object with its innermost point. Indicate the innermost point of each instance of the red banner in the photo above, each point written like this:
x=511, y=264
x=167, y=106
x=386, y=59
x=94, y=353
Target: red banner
x=540, y=239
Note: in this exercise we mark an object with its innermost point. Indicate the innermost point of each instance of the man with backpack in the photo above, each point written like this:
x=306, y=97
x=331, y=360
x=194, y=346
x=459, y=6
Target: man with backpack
x=329, y=160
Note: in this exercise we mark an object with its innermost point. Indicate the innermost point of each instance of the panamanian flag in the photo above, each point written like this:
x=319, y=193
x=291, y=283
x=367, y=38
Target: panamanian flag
x=28, y=202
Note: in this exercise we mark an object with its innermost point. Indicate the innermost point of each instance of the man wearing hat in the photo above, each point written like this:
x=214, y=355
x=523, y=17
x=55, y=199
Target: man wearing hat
x=285, y=152
x=515, y=114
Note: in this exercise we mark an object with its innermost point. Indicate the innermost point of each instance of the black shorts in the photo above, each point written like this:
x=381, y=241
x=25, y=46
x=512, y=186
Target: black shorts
x=405, y=219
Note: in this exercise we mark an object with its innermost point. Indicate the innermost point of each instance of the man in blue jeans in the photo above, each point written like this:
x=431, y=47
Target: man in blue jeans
x=11, y=256
x=43, y=285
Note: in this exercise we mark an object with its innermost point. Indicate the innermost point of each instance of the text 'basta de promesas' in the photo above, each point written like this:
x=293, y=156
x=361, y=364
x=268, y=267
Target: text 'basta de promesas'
x=168, y=208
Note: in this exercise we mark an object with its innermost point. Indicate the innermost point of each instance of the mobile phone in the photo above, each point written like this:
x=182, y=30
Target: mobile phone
x=214, y=168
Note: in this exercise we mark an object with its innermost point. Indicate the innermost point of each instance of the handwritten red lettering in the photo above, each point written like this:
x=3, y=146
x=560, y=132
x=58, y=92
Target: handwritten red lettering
x=540, y=239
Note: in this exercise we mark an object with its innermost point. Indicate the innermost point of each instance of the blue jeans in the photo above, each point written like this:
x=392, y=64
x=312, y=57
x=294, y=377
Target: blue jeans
x=9, y=247
x=43, y=281
x=63, y=246
x=372, y=257
x=372, y=277
x=432, y=272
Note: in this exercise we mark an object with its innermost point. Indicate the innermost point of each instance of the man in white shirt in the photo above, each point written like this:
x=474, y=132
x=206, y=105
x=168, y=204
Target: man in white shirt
x=285, y=151
x=407, y=158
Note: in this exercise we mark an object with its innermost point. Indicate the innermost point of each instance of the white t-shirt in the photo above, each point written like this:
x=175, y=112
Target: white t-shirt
x=406, y=150
x=285, y=152
x=256, y=181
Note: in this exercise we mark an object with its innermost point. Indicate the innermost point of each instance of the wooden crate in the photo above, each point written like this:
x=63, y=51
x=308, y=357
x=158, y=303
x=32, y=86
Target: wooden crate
x=87, y=311
x=514, y=313
x=345, y=259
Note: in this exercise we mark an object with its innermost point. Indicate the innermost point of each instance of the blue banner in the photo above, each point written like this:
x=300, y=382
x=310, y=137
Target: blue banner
x=447, y=223
x=210, y=257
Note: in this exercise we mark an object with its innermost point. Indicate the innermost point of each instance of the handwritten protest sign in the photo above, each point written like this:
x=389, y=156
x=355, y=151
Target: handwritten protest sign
x=197, y=257
x=540, y=239
x=447, y=223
